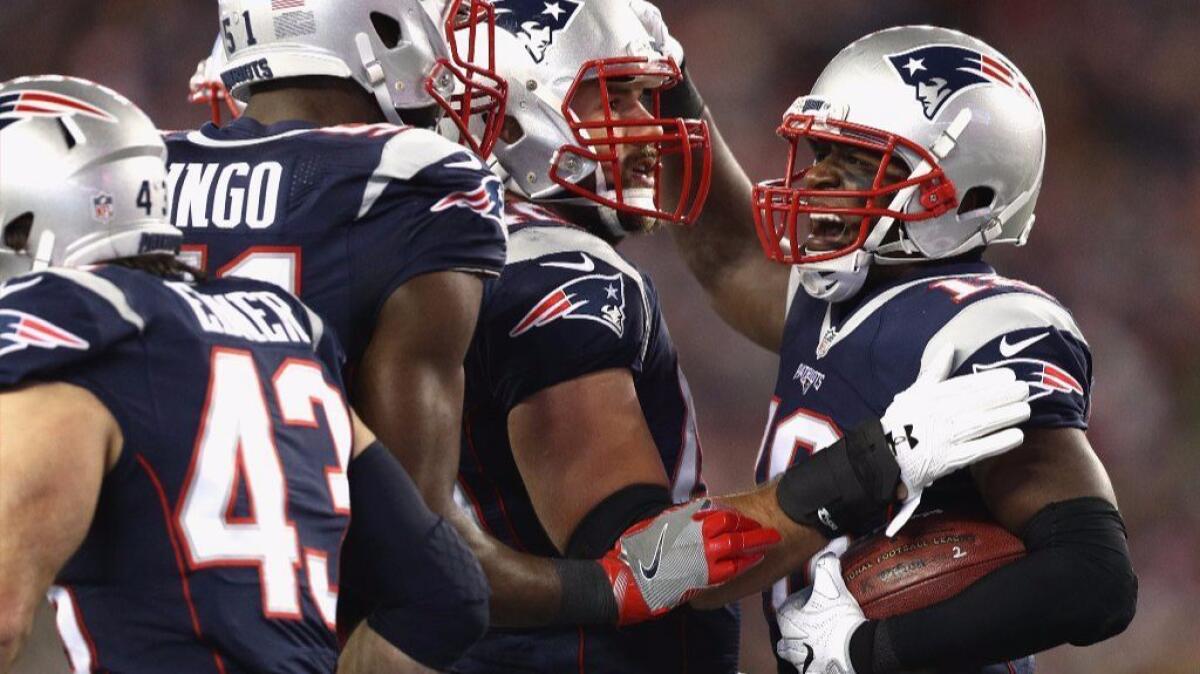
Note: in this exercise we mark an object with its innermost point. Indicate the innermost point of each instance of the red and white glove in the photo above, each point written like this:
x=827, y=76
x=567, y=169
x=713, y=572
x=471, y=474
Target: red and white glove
x=662, y=562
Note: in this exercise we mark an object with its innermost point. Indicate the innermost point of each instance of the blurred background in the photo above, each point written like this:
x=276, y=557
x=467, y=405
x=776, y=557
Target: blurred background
x=1117, y=238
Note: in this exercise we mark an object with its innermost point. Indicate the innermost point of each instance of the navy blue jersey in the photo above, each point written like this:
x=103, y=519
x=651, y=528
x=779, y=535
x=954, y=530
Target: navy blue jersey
x=842, y=364
x=215, y=542
x=565, y=306
x=340, y=216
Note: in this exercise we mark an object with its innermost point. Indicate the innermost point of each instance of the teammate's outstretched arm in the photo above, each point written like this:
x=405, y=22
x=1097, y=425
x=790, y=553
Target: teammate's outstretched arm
x=722, y=250
x=57, y=441
x=430, y=594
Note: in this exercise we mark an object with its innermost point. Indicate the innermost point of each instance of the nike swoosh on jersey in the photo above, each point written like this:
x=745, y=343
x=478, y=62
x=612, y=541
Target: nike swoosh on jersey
x=586, y=266
x=1009, y=350
x=649, y=572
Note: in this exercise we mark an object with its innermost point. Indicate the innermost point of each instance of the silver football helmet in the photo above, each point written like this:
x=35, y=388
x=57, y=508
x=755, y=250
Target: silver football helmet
x=547, y=51
x=394, y=49
x=957, y=115
x=82, y=176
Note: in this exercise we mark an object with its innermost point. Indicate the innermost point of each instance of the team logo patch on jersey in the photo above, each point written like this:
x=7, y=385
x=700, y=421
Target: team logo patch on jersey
x=939, y=73
x=534, y=22
x=594, y=297
x=487, y=200
x=33, y=103
x=809, y=378
x=19, y=331
x=1044, y=378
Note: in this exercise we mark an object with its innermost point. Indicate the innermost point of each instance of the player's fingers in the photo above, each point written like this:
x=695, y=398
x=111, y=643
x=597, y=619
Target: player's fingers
x=716, y=522
x=740, y=544
x=979, y=423
x=966, y=453
x=972, y=389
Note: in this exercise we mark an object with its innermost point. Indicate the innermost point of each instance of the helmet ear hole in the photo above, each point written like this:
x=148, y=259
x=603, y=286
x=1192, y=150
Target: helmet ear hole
x=387, y=28
x=977, y=197
x=16, y=232
x=512, y=131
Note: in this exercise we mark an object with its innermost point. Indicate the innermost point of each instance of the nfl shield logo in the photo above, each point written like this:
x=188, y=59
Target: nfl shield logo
x=102, y=207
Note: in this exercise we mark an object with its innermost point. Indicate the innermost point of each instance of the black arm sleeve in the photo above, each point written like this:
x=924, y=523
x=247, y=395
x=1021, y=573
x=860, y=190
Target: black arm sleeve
x=1076, y=584
x=429, y=594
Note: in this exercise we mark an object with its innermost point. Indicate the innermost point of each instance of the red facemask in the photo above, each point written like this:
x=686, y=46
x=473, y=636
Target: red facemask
x=480, y=92
x=598, y=140
x=779, y=204
x=214, y=95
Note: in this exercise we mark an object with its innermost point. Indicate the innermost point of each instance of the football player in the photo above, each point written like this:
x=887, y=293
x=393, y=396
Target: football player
x=927, y=146
x=179, y=462
x=578, y=421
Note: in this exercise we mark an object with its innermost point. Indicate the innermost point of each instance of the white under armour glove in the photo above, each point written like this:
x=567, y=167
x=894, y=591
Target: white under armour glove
x=652, y=20
x=817, y=622
x=939, y=425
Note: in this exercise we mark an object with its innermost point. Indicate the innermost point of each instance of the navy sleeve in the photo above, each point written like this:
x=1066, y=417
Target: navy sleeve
x=549, y=323
x=51, y=325
x=447, y=216
x=1056, y=365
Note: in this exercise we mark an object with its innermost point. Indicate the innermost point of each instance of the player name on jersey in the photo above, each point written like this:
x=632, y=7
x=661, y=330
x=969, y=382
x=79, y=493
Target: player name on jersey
x=256, y=316
x=233, y=193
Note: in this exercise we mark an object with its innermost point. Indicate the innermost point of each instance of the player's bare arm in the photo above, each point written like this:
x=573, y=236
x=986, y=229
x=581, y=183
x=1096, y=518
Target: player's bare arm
x=578, y=442
x=721, y=249
x=57, y=441
x=410, y=387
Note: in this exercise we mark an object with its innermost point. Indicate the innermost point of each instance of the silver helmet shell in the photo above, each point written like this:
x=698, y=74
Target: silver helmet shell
x=354, y=39
x=958, y=113
x=545, y=51
x=88, y=166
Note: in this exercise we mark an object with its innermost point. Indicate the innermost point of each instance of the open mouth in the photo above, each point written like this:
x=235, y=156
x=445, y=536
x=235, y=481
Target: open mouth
x=640, y=172
x=827, y=232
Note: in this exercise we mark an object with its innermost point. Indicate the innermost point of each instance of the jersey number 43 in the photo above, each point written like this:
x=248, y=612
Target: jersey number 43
x=236, y=444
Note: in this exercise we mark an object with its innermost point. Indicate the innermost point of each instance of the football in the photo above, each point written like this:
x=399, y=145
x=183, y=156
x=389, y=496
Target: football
x=934, y=557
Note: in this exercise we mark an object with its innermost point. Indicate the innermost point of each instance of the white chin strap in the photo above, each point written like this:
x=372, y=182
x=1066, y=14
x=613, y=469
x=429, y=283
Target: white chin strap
x=838, y=279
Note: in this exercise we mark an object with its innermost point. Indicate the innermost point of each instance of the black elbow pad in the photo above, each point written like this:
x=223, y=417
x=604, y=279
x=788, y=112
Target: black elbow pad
x=1091, y=533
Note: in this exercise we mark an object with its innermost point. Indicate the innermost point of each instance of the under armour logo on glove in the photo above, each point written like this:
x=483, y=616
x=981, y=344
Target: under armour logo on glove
x=908, y=439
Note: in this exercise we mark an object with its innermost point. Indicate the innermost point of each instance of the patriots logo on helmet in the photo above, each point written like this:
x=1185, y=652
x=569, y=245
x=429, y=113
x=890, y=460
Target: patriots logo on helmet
x=487, y=200
x=1044, y=378
x=939, y=73
x=19, y=331
x=594, y=297
x=534, y=22
x=21, y=105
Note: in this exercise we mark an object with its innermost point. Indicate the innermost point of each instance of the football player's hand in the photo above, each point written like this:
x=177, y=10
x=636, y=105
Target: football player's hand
x=662, y=562
x=652, y=20
x=816, y=623
x=939, y=425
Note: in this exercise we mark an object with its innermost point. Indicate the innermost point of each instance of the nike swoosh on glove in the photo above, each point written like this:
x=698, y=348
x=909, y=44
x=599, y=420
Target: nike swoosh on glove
x=662, y=562
x=939, y=425
x=817, y=622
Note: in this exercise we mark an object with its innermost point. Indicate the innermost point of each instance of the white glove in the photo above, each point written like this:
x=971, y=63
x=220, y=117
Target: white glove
x=817, y=622
x=938, y=425
x=652, y=20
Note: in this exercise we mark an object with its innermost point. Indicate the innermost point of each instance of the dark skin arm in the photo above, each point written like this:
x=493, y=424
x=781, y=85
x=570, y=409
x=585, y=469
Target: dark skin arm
x=1052, y=465
x=410, y=392
x=722, y=250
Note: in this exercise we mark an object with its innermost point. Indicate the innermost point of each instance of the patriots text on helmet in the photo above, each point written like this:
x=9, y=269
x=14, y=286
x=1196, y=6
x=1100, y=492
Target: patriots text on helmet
x=250, y=72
